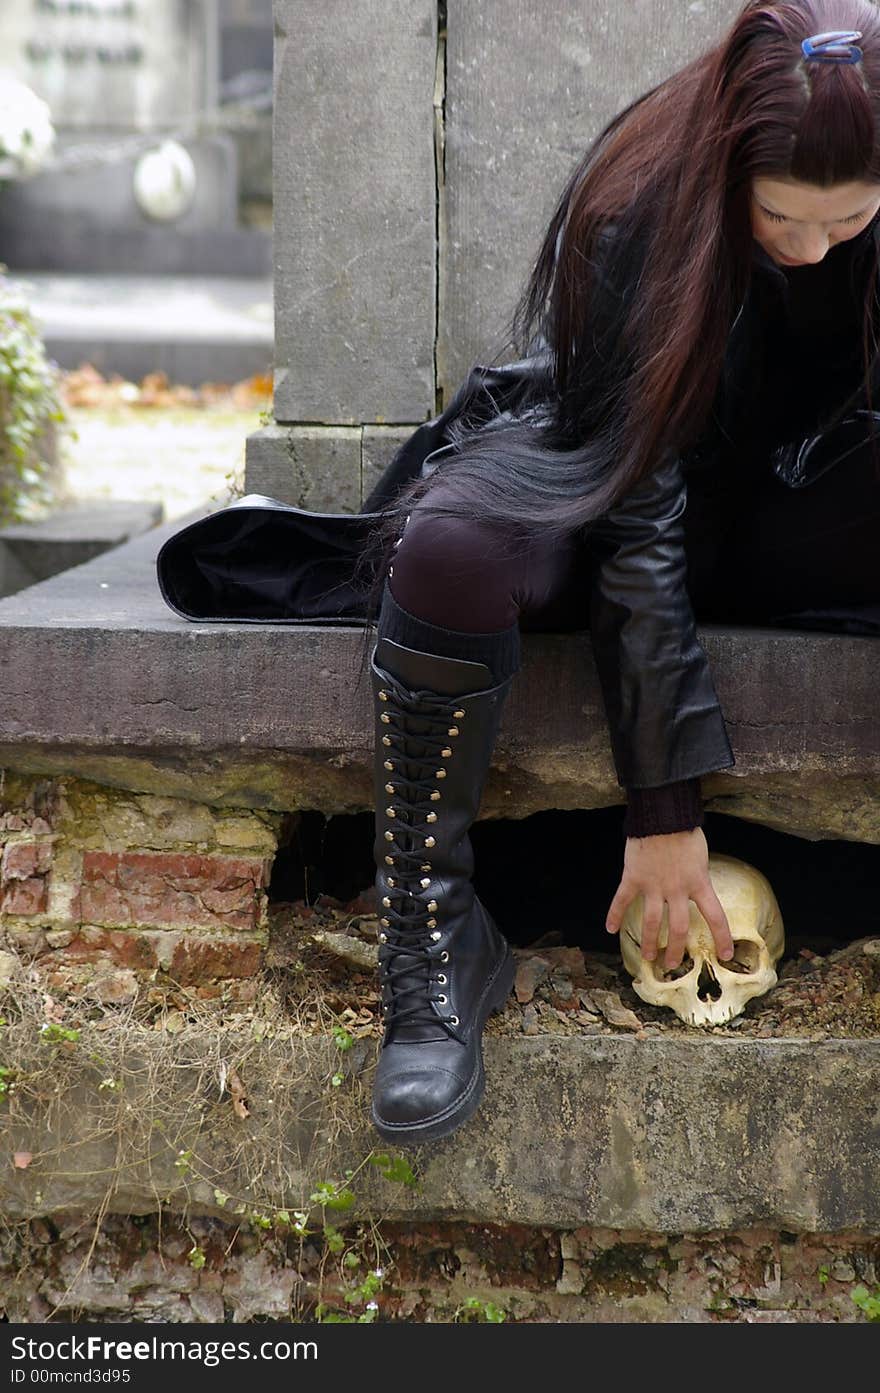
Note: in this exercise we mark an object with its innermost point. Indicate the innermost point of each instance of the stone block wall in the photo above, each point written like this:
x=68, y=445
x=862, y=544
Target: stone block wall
x=104, y=889
x=419, y=148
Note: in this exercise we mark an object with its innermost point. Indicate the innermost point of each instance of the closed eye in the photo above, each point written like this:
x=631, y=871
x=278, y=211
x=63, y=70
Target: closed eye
x=780, y=217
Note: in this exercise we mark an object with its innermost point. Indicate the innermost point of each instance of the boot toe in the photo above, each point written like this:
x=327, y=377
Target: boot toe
x=416, y=1097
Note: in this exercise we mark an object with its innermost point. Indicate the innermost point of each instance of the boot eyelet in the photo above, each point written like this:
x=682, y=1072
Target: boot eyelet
x=385, y=718
x=453, y=730
x=444, y=956
x=440, y=774
x=432, y=817
x=435, y=794
x=446, y=753
x=389, y=788
x=429, y=841
x=387, y=902
x=386, y=739
x=388, y=764
x=386, y=923
x=432, y=905
x=441, y=979
x=389, y=836
x=441, y=1000
x=436, y=936
x=459, y=715
x=453, y=1020
x=425, y=866
x=432, y=923
x=383, y=938
x=390, y=812
x=425, y=882
x=389, y=860
x=389, y=880
x=383, y=695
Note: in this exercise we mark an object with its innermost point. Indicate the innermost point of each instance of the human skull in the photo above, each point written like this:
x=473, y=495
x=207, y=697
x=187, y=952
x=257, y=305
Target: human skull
x=703, y=990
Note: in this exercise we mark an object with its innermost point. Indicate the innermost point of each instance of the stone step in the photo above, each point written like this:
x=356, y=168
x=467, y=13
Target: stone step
x=102, y=680
x=208, y=328
x=666, y=1135
x=33, y=551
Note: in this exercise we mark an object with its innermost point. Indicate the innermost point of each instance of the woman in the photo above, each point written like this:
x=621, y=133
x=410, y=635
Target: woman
x=688, y=435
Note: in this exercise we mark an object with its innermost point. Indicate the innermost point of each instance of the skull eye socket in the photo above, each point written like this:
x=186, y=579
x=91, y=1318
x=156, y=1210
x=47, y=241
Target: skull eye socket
x=746, y=957
x=684, y=967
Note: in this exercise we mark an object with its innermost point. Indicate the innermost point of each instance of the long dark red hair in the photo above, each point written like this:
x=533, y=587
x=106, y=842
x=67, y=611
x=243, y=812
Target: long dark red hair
x=672, y=175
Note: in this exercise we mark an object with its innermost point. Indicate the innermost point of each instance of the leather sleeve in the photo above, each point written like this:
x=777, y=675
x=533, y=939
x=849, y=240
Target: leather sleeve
x=664, y=718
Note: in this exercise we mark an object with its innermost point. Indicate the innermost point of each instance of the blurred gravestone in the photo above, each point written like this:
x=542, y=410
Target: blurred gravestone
x=117, y=64
x=110, y=70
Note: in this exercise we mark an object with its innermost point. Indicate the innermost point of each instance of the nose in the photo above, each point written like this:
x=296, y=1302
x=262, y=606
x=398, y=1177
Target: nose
x=812, y=247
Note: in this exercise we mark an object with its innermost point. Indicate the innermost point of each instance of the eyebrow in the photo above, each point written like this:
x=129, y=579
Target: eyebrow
x=799, y=220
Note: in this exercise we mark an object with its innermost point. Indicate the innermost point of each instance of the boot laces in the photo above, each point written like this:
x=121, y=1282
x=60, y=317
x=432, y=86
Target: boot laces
x=419, y=730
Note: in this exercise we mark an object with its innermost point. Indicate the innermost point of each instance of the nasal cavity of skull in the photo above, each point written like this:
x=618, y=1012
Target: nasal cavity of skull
x=708, y=986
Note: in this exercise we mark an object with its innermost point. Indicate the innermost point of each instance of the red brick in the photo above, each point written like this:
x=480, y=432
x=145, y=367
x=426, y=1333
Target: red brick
x=122, y=949
x=128, y=887
x=23, y=859
x=196, y=960
x=25, y=896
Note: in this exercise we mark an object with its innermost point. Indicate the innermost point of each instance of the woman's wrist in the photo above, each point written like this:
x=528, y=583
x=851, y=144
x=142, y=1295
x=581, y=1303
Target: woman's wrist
x=675, y=807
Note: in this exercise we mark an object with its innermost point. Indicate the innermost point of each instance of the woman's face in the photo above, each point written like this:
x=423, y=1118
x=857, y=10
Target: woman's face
x=796, y=223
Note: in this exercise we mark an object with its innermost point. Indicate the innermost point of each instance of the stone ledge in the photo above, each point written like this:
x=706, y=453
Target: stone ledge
x=99, y=678
x=662, y=1135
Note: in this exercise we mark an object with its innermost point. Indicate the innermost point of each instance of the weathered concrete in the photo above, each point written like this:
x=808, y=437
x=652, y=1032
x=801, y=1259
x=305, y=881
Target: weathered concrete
x=334, y=467
x=528, y=87
x=354, y=194
x=664, y=1135
x=99, y=678
x=315, y=467
x=378, y=447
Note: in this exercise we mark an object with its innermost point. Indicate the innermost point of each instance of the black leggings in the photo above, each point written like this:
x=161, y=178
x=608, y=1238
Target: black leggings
x=757, y=551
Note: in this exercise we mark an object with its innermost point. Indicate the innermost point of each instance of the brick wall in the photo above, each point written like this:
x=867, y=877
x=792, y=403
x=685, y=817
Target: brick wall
x=102, y=889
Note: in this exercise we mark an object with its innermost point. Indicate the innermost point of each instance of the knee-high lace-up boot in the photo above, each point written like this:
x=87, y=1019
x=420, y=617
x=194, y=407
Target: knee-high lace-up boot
x=443, y=964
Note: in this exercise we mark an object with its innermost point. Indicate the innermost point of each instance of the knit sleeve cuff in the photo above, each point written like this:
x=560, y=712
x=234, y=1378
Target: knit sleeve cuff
x=674, y=807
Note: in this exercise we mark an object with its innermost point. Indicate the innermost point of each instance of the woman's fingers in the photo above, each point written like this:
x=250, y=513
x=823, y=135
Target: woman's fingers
x=679, y=922
x=623, y=897
x=651, y=924
x=712, y=910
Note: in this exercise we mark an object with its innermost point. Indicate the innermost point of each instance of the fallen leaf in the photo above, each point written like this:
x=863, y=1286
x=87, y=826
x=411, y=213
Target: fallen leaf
x=239, y=1097
x=22, y=1159
x=614, y=1011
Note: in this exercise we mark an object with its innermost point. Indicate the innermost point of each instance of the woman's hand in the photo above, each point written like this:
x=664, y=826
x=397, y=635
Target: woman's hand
x=670, y=868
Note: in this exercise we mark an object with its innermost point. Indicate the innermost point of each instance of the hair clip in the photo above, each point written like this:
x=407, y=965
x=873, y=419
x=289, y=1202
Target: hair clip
x=835, y=46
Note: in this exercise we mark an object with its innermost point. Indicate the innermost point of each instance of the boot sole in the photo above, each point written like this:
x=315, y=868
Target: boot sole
x=442, y=1124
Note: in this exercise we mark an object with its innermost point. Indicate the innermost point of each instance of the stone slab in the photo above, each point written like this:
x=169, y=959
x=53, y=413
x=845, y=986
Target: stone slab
x=195, y=328
x=528, y=87
x=98, y=677
x=354, y=210
x=33, y=551
x=315, y=467
x=669, y=1136
x=379, y=445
